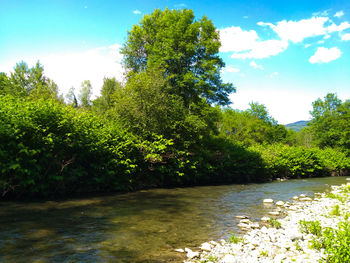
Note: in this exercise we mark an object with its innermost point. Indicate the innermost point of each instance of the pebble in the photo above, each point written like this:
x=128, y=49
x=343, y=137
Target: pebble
x=270, y=245
x=268, y=201
x=265, y=219
x=280, y=203
x=274, y=213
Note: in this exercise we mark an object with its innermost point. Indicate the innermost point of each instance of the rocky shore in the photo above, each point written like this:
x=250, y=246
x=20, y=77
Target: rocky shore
x=283, y=234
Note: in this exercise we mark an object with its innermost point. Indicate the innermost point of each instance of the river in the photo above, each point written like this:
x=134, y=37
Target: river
x=144, y=226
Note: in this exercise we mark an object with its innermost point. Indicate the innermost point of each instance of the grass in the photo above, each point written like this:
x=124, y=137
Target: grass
x=234, y=239
x=335, y=211
x=274, y=223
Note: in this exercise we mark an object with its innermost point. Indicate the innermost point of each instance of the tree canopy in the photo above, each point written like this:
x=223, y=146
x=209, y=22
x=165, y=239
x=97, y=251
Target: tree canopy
x=186, y=49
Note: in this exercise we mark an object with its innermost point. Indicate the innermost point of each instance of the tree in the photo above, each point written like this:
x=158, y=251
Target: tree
x=331, y=122
x=186, y=49
x=25, y=81
x=104, y=102
x=4, y=83
x=260, y=111
x=85, y=94
x=71, y=98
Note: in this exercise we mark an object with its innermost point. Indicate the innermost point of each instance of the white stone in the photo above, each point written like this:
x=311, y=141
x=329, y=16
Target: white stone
x=274, y=213
x=241, y=225
x=245, y=221
x=305, y=199
x=180, y=250
x=191, y=254
x=206, y=246
x=302, y=196
x=295, y=197
x=280, y=203
x=228, y=259
x=265, y=219
x=268, y=201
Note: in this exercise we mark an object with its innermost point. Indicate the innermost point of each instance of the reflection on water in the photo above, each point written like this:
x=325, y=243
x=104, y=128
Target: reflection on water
x=137, y=227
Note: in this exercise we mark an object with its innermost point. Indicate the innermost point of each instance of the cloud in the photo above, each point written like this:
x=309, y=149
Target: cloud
x=307, y=45
x=230, y=69
x=339, y=14
x=334, y=28
x=234, y=39
x=71, y=69
x=247, y=44
x=256, y=66
x=182, y=5
x=345, y=37
x=137, y=12
x=325, y=55
x=263, y=49
x=297, y=31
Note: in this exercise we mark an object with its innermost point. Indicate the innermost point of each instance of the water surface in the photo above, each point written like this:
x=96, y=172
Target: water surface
x=145, y=226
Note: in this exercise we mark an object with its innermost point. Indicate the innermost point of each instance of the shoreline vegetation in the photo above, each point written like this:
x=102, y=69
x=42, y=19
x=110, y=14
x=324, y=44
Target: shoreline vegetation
x=310, y=229
x=167, y=124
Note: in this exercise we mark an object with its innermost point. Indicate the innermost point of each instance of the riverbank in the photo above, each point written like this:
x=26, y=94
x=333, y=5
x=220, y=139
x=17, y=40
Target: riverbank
x=309, y=230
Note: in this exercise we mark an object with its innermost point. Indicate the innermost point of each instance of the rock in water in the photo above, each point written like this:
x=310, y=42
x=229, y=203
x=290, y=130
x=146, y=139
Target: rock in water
x=206, y=246
x=280, y=203
x=268, y=201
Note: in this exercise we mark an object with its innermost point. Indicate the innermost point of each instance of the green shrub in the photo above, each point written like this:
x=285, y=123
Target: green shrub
x=234, y=239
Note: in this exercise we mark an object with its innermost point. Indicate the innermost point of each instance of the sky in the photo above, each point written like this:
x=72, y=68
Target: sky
x=283, y=54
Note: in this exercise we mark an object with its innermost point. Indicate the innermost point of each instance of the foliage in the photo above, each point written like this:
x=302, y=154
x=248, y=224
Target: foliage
x=247, y=128
x=296, y=161
x=186, y=49
x=274, y=223
x=334, y=241
x=25, y=81
x=104, y=102
x=310, y=227
x=331, y=123
x=234, y=239
x=85, y=94
x=335, y=211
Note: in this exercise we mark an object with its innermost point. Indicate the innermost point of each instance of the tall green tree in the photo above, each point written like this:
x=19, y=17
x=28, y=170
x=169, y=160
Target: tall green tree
x=25, y=81
x=85, y=94
x=186, y=49
x=104, y=102
x=331, y=122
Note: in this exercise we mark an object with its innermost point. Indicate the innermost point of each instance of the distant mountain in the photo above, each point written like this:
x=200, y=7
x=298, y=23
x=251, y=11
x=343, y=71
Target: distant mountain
x=296, y=126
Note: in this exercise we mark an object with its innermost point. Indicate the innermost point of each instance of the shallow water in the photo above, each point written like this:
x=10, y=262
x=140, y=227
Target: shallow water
x=145, y=226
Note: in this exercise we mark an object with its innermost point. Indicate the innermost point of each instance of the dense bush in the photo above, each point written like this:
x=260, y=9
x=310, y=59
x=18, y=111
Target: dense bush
x=47, y=147
x=296, y=161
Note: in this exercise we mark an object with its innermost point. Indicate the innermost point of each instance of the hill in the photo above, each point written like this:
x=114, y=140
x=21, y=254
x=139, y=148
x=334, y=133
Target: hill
x=296, y=126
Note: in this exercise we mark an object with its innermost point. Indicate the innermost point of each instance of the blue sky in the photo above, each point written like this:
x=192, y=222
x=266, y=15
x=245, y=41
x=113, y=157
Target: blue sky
x=284, y=54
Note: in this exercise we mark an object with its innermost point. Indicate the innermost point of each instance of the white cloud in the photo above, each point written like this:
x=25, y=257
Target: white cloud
x=234, y=39
x=256, y=66
x=245, y=17
x=230, y=69
x=334, y=28
x=345, y=37
x=320, y=42
x=137, y=12
x=263, y=49
x=339, y=14
x=71, y=69
x=307, y=45
x=321, y=13
x=297, y=31
x=274, y=74
x=182, y=5
x=325, y=55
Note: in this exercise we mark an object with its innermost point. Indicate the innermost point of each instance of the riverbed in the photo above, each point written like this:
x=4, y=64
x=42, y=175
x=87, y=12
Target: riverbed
x=144, y=226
